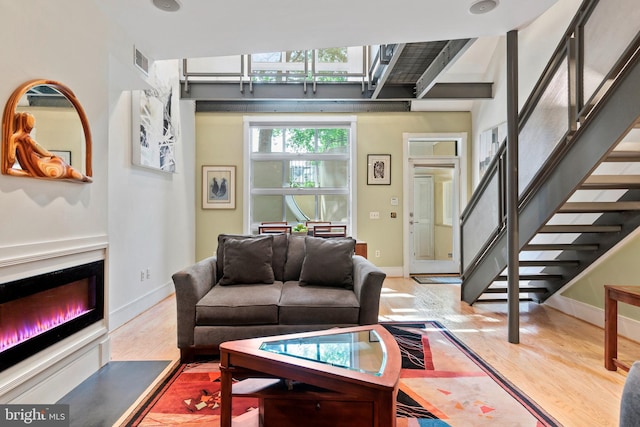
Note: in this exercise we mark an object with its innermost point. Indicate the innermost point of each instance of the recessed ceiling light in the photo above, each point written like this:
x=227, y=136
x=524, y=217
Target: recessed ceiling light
x=483, y=6
x=167, y=5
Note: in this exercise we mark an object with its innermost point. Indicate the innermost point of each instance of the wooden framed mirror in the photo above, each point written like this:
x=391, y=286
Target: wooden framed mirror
x=45, y=134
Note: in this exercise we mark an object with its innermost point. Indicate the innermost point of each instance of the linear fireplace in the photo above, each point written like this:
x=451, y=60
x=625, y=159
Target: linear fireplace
x=39, y=311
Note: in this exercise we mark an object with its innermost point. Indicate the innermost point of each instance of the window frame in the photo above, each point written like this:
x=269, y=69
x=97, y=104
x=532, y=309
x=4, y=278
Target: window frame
x=315, y=121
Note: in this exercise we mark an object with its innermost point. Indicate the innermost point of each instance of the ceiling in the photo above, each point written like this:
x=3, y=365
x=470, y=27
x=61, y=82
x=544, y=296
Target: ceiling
x=204, y=28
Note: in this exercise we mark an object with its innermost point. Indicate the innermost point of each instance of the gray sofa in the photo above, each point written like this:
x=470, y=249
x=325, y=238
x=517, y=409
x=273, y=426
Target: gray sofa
x=273, y=284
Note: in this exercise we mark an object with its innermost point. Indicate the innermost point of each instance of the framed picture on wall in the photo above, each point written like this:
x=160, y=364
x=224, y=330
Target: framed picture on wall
x=490, y=141
x=218, y=187
x=156, y=120
x=378, y=169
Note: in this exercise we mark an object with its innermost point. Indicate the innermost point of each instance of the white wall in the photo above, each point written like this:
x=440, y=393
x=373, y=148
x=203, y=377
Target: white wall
x=151, y=215
x=42, y=222
x=146, y=218
x=38, y=43
x=536, y=44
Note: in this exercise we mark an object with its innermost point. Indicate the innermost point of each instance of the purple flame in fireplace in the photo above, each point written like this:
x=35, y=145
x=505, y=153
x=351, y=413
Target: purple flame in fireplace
x=43, y=323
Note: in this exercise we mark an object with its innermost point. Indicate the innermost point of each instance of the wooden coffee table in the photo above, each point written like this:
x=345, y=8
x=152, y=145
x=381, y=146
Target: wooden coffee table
x=336, y=377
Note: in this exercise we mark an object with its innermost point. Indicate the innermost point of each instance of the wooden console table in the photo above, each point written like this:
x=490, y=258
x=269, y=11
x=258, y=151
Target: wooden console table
x=361, y=248
x=613, y=294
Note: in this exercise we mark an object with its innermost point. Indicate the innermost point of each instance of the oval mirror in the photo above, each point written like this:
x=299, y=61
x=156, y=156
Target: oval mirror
x=45, y=133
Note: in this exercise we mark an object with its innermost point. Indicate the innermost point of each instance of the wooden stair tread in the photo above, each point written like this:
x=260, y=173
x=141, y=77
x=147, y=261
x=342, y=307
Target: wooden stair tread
x=531, y=290
x=595, y=207
x=608, y=182
x=623, y=156
x=561, y=247
x=580, y=228
x=550, y=263
x=533, y=277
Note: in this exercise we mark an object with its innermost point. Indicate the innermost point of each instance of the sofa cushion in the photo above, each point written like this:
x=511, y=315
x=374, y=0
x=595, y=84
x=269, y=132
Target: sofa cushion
x=317, y=305
x=295, y=257
x=248, y=261
x=279, y=246
x=328, y=262
x=239, y=305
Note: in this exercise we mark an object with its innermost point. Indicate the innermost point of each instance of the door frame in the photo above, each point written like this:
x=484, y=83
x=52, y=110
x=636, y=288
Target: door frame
x=461, y=143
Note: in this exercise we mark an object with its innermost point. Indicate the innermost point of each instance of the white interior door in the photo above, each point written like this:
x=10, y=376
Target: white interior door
x=433, y=216
x=421, y=219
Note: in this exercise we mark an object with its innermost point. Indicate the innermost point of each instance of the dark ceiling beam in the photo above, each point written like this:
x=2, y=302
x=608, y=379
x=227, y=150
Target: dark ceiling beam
x=460, y=91
x=440, y=91
x=386, y=70
x=292, y=106
x=449, y=54
x=49, y=101
x=219, y=91
x=222, y=91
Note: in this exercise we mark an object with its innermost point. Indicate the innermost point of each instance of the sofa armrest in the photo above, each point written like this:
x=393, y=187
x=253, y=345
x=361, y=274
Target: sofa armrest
x=191, y=285
x=367, y=285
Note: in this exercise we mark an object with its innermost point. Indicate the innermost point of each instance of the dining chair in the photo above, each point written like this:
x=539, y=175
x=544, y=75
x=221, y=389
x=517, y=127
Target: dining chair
x=274, y=229
x=330, y=230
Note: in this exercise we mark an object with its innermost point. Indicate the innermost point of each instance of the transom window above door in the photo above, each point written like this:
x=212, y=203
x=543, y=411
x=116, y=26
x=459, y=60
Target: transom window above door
x=299, y=170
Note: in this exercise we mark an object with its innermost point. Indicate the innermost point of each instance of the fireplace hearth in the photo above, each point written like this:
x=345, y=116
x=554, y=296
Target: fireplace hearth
x=38, y=311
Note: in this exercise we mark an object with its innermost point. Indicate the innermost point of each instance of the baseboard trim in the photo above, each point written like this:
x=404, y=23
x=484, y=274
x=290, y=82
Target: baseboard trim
x=127, y=312
x=627, y=327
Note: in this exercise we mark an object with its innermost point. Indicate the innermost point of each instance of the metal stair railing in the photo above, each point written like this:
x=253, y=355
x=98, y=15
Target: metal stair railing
x=570, y=122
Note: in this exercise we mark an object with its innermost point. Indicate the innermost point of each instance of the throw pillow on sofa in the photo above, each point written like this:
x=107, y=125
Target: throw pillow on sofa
x=279, y=252
x=328, y=262
x=248, y=261
x=295, y=258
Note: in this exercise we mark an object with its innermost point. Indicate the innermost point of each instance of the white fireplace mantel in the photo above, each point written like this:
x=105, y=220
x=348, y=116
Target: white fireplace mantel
x=47, y=376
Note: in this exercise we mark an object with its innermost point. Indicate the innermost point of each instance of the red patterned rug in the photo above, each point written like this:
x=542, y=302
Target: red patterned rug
x=442, y=383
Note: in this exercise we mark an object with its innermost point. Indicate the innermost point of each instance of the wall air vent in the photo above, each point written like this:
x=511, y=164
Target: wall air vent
x=141, y=61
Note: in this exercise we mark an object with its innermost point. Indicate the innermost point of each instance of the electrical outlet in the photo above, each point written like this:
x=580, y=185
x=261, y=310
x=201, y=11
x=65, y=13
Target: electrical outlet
x=142, y=275
x=374, y=215
x=377, y=253
x=148, y=273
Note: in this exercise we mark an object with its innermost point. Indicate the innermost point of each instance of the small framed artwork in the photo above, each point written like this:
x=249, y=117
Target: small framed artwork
x=218, y=187
x=64, y=155
x=378, y=169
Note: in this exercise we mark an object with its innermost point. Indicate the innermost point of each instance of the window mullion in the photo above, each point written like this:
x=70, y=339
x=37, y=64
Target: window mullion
x=298, y=191
x=299, y=156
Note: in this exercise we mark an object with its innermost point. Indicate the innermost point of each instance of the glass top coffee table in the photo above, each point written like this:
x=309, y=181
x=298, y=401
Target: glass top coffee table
x=335, y=377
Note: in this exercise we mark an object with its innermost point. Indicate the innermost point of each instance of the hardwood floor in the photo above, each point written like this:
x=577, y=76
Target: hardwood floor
x=558, y=362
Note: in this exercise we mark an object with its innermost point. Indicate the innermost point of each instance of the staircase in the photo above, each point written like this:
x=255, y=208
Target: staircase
x=581, y=231
x=582, y=198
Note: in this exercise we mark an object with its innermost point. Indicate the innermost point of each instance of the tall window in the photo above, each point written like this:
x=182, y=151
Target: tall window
x=299, y=170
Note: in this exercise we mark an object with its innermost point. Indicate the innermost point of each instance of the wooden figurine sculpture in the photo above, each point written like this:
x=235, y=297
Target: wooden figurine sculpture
x=34, y=160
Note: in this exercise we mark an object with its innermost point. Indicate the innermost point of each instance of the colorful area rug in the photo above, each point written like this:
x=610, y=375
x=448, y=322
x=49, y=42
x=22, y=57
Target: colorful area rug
x=442, y=383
